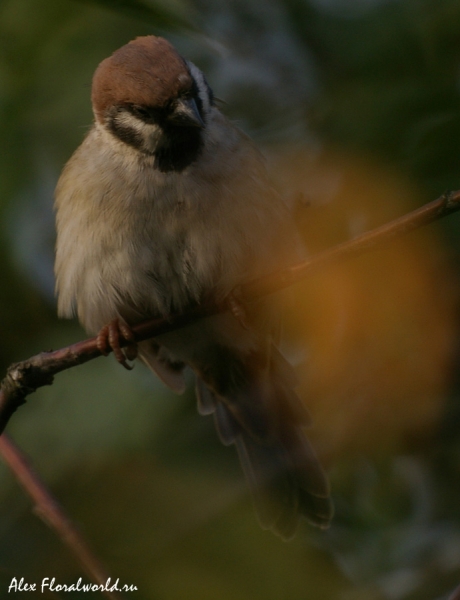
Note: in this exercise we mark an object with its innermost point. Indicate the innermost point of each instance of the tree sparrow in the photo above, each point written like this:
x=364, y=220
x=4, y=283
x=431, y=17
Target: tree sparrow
x=164, y=203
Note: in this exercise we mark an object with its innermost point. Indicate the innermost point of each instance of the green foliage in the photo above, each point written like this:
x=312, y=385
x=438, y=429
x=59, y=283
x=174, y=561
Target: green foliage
x=163, y=504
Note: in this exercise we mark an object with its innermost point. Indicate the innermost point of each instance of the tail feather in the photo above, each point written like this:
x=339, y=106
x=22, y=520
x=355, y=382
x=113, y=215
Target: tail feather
x=286, y=481
x=305, y=464
x=170, y=373
x=279, y=494
x=273, y=497
x=319, y=511
x=205, y=399
x=289, y=407
x=284, y=475
x=227, y=428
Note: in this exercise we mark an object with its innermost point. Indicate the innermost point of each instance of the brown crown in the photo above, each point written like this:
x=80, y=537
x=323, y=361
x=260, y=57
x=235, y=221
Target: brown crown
x=148, y=71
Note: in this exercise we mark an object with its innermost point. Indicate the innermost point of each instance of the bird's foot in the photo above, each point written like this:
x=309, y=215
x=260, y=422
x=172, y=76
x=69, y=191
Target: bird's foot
x=108, y=340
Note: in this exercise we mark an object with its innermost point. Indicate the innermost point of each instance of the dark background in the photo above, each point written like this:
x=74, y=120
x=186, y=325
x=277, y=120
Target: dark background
x=357, y=106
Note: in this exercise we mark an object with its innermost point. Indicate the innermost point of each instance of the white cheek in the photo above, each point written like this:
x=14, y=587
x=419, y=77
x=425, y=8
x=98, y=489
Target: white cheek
x=152, y=135
x=129, y=121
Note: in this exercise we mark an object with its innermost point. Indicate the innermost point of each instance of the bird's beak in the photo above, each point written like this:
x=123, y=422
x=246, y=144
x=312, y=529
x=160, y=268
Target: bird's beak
x=186, y=114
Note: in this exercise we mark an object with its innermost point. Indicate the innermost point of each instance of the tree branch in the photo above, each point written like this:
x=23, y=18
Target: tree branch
x=25, y=377
x=455, y=594
x=48, y=509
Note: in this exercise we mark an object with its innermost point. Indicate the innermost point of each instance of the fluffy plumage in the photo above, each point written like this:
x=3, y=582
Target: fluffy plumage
x=164, y=203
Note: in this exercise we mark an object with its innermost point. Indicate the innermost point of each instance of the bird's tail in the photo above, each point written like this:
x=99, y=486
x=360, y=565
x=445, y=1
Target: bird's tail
x=256, y=409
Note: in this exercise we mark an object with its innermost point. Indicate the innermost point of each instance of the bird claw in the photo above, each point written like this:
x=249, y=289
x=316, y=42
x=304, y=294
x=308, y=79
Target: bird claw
x=108, y=340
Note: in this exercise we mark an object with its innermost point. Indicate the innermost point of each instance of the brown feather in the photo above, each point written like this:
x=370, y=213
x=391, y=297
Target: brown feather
x=148, y=71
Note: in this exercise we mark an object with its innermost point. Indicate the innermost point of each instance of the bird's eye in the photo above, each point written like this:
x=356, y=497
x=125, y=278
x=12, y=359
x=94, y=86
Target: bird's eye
x=141, y=111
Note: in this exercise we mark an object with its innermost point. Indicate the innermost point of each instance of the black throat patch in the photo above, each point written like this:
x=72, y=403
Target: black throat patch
x=178, y=148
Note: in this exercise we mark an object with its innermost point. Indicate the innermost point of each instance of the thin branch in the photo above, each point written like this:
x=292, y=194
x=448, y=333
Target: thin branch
x=455, y=594
x=442, y=207
x=48, y=509
x=25, y=377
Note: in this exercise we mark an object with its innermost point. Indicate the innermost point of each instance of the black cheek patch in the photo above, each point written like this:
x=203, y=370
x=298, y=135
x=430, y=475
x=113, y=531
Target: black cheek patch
x=126, y=134
x=177, y=147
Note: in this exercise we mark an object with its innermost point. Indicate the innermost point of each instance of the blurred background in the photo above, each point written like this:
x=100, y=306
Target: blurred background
x=356, y=104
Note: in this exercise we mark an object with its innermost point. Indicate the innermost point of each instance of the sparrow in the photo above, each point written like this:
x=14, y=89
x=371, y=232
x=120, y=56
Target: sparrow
x=164, y=204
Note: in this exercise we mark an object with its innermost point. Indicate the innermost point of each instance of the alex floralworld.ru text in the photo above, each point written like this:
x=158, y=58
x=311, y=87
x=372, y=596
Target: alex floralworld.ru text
x=51, y=585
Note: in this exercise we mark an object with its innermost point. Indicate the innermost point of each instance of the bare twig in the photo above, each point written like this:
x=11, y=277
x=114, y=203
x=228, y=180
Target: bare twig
x=48, y=509
x=25, y=377
x=443, y=206
x=455, y=594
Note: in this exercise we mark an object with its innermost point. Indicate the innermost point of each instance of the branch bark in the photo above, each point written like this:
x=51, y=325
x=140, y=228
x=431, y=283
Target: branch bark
x=455, y=594
x=48, y=509
x=25, y=377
